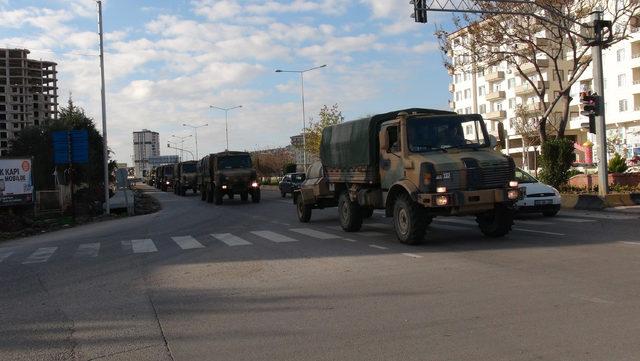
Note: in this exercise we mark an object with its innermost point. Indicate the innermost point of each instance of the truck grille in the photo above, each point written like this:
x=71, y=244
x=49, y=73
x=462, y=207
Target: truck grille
x=496, y=175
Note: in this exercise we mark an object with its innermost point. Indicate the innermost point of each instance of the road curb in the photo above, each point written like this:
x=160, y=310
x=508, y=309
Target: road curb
x=596, y=203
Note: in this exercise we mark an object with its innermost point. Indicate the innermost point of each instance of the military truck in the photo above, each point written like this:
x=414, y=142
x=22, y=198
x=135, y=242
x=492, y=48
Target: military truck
x=166, y=177
x=186, y=177
x=227, y=173
x=415, y=164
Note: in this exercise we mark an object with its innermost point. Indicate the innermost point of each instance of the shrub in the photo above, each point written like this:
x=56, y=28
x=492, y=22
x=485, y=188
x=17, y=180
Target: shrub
x=555, y=161
x=617, y=164
x=289, y=168
x=572, y=172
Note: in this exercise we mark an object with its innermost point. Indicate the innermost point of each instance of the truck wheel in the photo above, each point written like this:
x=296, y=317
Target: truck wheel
x=283, y=194
x=209, y=194
x=367, y=212
x=255, y=196
x=304, y=211
x=244, y=196
x=497, y=223
x=409, y=220
x=203, y=194
x=217, y=194
x=183, y=191
x=350, y=213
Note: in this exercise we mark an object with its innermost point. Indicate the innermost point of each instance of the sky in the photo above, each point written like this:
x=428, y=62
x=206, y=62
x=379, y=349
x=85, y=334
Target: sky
x=167, y=61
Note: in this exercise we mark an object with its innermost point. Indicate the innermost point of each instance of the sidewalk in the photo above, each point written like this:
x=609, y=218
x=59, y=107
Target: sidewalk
x=624, y=209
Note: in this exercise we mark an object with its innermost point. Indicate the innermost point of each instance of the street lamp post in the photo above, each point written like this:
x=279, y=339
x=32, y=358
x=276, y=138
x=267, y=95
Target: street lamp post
x=226, y=119
x=304, y=122
x=181, y=139
x=195, y=129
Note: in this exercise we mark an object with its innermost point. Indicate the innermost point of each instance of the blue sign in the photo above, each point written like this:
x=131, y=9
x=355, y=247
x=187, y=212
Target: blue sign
x=71, y=147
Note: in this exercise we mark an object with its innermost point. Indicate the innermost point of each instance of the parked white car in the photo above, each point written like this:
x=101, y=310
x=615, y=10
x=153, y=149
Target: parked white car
x=537, y=197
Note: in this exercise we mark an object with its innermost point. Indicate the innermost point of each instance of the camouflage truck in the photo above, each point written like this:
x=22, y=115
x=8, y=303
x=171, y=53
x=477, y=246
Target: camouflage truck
x=166, y=177
x=415, y=164
x=227, y=173
x=186, y=177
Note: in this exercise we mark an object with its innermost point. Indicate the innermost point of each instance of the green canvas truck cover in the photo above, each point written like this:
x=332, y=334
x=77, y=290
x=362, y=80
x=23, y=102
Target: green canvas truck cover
x=354, y=144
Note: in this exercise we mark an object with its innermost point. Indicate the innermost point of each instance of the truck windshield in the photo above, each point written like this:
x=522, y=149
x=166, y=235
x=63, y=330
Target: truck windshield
x=443, y=132
x=189, y=168
x=168, y=171
x=297, y=177
x=240, y=161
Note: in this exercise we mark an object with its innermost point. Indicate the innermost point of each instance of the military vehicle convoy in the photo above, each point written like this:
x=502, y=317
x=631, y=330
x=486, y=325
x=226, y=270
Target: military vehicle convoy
x=227, y=173
x=186, y=177
x=415, y=164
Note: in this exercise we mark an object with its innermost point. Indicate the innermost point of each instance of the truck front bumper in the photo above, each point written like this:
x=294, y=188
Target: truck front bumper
x=468, y=201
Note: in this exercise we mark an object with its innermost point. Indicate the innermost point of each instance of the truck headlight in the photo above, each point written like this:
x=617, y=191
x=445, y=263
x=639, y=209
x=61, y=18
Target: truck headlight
x=254, y=184
x=441, y=190
x=224, y=187
x=513, y=184
x=513, y=194
x=442, y=200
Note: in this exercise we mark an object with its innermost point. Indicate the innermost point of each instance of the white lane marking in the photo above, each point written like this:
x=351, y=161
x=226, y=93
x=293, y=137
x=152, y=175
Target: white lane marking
x=350, y=240
x=40, y=255
x=187, y=242
x=599, y=216
x=625, y=242
x=412, y=255
x=273, y=236
x=335, y=228
x=457, y=220
x=376, y=246
x=231, y=240
x=378, y=225
x=576, y=220
x=534, y=231
x=143, y=246
x=87, y=250
x=532, y=222
x=313, y=233
x=592, y=299
x=126, y=246
x=370, y=234
x=449, y=228
x=5, y=254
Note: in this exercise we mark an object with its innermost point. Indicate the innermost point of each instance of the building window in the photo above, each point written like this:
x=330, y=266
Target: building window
x=622, y=80
x=482, y=108
x=458, y=95
x=467, y=93
x=16, y=125
x=512, y=103
x=620, y=54
x=481, y=90
x=511, y=83
x=497, y=87
x=622, y=105
x=498, y=106
x=456, y=78
x=511, y=122
x=560, y=75
x=468, y=130
x=466, y=76
x=467, y=110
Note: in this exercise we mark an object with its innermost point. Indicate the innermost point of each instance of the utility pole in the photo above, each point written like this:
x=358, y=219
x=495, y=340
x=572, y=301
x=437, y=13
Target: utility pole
x=105, y=148
x=181, y=139
x=598, y=84
x=195, y=130
x=226, y=119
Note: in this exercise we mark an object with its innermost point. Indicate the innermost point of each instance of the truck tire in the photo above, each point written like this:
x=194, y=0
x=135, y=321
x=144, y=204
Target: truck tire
x=203, y=194
x=350, y=213
x=255, y=196
x=304, y=211
x=244, y=196
x=217, y=195
x=209, y=194
x=409, y=220
x=283, y=194
x=367, y=212
x=183, y=191
x=497, y=223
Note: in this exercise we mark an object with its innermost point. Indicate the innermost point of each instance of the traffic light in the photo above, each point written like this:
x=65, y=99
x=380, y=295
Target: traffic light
x=419, y=11
x=590, y=108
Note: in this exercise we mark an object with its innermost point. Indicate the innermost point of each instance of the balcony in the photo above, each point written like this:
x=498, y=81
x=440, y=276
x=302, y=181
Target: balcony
x=452, y=88
x=542, y=42
x=495, y=76
x=526, y=89
x=530, y=67
x=496, y=95
x=496, y=115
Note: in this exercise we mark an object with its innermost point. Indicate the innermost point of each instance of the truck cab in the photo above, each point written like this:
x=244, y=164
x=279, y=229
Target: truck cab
x=416, y=164
x=186, y=177
x=228, y=173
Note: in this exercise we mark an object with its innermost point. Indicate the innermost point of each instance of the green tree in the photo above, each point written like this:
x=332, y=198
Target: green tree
x=328, y=116
x=555, y=161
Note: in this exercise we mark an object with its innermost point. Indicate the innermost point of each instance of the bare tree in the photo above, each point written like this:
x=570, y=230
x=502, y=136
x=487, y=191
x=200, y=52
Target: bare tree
x=526, y=125
x=551, y=40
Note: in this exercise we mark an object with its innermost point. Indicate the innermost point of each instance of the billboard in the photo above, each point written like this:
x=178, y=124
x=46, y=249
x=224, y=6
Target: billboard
x=16, y=185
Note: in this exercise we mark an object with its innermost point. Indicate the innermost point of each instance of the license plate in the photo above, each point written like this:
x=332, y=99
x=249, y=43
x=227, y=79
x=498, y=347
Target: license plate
x=543, y=202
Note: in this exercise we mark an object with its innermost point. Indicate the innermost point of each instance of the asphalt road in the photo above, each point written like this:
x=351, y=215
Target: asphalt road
x=246, y=281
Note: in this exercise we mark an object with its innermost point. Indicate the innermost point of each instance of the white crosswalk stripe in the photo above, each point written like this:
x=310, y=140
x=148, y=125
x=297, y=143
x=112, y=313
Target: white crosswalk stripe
x=534, y=231
x=313, y=233
x=87, y=250
x=4, y=255
x=40, y=255
x=575, y=220
x=187, y=242
x=231, y=240
x=468, y=222
x=274, y=237
x=143, y=246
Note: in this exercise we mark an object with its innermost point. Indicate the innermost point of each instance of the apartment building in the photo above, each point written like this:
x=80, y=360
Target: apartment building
x=495, y=91
x=146, y=144
x=28, y=94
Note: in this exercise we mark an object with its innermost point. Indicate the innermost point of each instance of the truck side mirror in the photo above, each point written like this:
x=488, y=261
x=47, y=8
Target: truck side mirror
x=384, y=140
x=493, y=141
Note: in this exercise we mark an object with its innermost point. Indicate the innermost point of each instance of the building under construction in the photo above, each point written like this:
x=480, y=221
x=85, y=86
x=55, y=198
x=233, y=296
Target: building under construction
x=28, y=93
